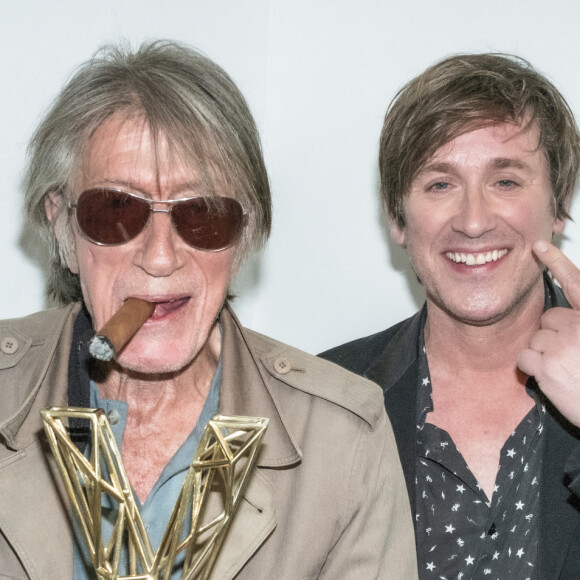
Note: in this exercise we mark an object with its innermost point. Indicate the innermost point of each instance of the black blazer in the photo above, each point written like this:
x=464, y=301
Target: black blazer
x=390, y=359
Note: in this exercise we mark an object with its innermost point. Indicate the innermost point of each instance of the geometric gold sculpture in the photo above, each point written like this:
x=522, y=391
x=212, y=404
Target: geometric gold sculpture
x=222, y=465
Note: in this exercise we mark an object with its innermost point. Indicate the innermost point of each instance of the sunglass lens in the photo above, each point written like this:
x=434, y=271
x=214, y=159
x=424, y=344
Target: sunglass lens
x=209, y=223
x=110, y=217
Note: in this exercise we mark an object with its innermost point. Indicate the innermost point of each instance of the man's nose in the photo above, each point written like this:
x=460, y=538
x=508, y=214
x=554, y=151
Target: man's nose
x=158, y=253
x=476, y=212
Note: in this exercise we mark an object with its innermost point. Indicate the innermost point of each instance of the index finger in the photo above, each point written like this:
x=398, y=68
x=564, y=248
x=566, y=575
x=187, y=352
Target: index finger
x=563, y=269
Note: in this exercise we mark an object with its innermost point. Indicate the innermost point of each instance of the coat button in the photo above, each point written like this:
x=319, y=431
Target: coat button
x=282, y=365
x=9, y=345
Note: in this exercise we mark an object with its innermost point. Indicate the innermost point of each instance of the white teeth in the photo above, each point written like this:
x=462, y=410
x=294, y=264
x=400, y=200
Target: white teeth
x=476, y=259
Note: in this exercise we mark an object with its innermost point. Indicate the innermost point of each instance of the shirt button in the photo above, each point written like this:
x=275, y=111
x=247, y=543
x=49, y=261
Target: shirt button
x=113, y=416
x=282, y=365
x=9, y=345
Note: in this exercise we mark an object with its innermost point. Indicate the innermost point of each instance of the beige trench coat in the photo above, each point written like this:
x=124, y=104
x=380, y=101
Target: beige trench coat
x=327, y=499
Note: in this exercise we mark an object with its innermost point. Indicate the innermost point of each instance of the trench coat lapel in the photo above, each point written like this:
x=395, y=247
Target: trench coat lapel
x=244, y=391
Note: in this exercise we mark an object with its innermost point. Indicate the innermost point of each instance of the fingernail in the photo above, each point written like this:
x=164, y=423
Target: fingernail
x=541, y=246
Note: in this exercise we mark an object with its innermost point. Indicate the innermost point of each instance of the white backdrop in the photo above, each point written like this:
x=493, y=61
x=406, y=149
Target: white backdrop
x=318, y=75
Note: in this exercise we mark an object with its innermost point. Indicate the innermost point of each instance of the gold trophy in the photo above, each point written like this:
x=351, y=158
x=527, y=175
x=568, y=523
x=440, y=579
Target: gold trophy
x=222, y=466
x=225, y=456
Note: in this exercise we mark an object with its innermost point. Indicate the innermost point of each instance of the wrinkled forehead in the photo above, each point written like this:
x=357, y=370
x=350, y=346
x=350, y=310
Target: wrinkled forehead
x=127, y=150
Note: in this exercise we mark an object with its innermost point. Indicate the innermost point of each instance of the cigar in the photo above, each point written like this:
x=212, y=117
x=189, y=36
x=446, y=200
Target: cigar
x=120, y=328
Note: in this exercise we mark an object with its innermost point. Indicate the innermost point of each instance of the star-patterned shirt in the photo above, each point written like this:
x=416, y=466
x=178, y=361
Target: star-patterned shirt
x=461, y=534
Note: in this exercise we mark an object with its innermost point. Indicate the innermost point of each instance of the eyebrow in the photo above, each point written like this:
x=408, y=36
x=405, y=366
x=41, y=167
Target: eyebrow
x=437, y=168
x=497, y=163
x=509, y=163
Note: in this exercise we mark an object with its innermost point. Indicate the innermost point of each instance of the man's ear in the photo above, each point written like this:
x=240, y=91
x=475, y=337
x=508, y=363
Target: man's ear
x=560, y=222
x=559, y=225
x=54, y=206
x=53, y=202
x=397, y=233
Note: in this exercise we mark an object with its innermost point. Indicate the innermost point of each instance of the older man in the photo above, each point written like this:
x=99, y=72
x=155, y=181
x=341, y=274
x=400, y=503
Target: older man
x=147, y=177
x=479, y=157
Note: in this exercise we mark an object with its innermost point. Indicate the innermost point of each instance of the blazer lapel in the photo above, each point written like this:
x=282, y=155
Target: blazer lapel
x=559, y=522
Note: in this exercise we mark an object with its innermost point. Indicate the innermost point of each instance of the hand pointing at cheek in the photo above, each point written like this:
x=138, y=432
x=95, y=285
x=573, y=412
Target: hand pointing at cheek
x=553, y=356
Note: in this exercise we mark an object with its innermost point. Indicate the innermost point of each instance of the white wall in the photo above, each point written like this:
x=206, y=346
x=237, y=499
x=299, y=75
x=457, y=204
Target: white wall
x=318, y=75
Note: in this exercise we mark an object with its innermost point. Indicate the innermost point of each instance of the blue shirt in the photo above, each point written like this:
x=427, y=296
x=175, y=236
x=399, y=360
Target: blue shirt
x=157, y=508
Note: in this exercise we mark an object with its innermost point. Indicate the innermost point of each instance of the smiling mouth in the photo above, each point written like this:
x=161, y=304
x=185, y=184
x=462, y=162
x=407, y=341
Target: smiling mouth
x=478, y=259
x=169, y=306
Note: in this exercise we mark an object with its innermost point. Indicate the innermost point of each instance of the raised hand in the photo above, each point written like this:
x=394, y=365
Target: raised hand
x=553, y=356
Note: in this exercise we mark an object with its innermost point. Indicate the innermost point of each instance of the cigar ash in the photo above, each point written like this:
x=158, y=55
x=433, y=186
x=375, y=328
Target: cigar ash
x=101, y=348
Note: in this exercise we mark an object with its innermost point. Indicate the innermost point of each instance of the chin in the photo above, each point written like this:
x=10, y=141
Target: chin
x=477, y=311
x=153, y=361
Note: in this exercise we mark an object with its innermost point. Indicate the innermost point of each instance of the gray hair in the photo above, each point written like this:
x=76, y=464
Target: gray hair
x=184, y=97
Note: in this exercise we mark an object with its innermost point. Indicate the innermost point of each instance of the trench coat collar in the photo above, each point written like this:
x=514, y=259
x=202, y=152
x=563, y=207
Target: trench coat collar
x=246, y=391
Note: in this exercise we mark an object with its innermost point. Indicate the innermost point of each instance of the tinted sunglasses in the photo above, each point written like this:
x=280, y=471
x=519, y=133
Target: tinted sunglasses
x=110, y=217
